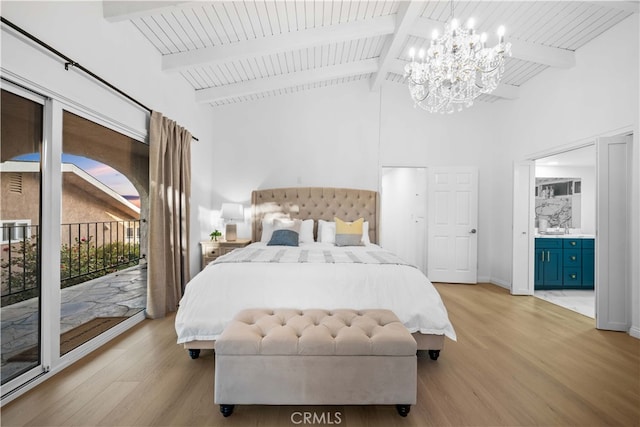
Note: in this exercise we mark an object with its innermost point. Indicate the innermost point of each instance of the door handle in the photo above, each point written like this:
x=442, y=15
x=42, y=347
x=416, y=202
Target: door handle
x=548, y=256
x=473, y=231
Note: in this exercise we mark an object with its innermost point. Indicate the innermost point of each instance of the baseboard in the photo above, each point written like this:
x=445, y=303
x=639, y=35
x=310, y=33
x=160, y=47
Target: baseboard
x=493, y=281
x=634, y=331
x=501, y=283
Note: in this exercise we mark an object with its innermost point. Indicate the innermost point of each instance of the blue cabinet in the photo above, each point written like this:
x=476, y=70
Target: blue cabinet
x=572, y=257
x=564, y=263
x=548, y=264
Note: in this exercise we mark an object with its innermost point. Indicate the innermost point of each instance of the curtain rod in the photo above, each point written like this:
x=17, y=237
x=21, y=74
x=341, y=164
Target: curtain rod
x=73, y=63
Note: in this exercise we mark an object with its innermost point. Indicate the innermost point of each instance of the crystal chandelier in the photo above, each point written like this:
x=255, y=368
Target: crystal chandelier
x=456, y=68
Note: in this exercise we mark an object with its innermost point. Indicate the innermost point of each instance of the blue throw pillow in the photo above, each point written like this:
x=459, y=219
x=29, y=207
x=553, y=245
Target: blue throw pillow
x=284, y=238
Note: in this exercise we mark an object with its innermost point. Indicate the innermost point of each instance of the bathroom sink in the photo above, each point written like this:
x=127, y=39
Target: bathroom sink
x=552, y=233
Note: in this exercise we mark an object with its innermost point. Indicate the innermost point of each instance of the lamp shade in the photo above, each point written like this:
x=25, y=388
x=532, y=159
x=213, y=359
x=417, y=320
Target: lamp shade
x=232, y=211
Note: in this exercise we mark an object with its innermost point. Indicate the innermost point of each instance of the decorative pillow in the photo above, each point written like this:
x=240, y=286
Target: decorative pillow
x=349, y=233
x=283, y=237
x=268, y=226
x=326, y=231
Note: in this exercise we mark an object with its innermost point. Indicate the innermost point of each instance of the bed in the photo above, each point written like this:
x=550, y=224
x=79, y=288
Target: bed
x=314, y=274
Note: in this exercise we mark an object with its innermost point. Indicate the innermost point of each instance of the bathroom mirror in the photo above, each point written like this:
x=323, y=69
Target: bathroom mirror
x=558, y=202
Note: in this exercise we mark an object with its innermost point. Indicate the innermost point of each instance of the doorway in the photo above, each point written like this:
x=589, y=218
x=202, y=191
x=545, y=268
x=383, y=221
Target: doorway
x=403, y=206
x=565, y=202
x=612, y=225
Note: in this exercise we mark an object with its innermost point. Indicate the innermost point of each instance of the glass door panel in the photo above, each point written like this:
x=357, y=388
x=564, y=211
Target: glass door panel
x=104, y=185
x=20, y=253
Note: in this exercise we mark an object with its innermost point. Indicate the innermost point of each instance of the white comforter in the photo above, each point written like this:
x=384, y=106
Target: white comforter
x=218, y=292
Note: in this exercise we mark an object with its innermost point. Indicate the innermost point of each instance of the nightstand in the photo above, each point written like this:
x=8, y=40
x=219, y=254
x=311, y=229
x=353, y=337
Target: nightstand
x=212, y=249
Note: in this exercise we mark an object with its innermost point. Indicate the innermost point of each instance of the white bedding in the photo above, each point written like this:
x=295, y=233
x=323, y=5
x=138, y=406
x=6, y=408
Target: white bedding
x=218, y=292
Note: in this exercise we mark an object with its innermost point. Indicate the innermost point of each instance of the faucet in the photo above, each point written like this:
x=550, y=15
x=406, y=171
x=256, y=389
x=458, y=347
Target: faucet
x=566, y=229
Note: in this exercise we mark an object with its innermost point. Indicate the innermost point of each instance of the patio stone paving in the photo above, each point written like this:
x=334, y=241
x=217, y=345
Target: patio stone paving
x=120, y=294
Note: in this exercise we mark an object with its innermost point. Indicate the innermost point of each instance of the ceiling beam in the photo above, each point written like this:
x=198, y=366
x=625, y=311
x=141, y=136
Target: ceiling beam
x=407, y=13
x=503, y=90
x=527, y=51
x=551, y=56
x=280, y=43
x=626, y=6
x=283, y=81
x=117, y=11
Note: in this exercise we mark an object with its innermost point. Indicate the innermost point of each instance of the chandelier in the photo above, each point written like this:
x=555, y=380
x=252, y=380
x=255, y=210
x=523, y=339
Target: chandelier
x=456, y=69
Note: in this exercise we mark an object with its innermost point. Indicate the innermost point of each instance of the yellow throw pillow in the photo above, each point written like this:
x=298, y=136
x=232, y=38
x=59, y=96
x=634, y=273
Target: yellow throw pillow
x=349, y=233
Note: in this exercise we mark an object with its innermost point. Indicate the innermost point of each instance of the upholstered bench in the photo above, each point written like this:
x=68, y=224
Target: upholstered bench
x=315, y=357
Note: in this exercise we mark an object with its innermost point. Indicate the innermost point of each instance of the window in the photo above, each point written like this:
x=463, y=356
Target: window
x=133, y=233
x=15, y=230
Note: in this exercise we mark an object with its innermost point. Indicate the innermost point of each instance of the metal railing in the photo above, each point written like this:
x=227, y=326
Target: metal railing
x=89, y=250
x=19, y=263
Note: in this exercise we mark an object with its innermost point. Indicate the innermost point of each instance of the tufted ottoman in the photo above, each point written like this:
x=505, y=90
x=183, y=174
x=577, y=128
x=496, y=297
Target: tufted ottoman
x=315, y=357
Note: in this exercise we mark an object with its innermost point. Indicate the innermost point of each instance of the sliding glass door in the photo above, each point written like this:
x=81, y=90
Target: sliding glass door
x=102, y=282
x=20, y=217
x=72, y=255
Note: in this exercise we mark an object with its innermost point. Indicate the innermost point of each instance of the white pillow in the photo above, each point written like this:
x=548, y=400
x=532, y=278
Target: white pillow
x=268, y=227
x=365, y=233
x=327, y=232
x=267, y=230
x=306, y=231
x=287, y=224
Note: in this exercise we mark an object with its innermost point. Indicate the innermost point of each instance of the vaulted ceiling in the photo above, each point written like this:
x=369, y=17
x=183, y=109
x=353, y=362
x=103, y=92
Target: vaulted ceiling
x=239, y=51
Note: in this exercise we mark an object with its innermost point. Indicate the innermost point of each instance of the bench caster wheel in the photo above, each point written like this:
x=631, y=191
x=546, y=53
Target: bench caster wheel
x=403, y=410
x=226, y=410
x=434, y=354
x=194, y=353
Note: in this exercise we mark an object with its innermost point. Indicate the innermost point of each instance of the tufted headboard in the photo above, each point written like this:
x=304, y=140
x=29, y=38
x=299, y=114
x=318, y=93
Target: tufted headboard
x=315, y=203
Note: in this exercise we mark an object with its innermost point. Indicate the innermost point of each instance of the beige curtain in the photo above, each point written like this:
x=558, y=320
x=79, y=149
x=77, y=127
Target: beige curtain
x=169, y=194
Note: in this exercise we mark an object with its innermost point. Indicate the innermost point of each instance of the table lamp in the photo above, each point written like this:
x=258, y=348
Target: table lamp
x=231, y=212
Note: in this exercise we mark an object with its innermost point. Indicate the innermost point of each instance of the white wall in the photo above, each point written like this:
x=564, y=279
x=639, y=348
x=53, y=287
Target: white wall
x=325, y=137
x=341, y=136
x=118, y=53
x=598, y=96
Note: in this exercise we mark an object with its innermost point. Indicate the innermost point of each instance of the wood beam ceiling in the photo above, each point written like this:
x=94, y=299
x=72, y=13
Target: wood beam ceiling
x=283, y=81
x=405, y=17
x=406, y=22
x=280, y=43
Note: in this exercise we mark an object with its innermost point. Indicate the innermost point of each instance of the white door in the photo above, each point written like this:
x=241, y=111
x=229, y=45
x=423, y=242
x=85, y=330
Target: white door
x=523, y=225
x=453, y=225
x=403, y=205
x=612, y=233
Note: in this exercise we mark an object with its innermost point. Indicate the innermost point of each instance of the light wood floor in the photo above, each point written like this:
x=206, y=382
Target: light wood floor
x=518, y=361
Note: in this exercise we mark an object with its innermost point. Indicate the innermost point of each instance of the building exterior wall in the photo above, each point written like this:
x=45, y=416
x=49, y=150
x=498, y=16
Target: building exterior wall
x=84, y=214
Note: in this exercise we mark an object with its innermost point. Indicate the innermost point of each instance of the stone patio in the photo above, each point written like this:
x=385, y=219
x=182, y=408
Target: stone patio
x=120, y=294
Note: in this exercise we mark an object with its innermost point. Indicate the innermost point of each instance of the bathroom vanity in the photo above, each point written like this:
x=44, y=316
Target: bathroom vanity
x=564, y=262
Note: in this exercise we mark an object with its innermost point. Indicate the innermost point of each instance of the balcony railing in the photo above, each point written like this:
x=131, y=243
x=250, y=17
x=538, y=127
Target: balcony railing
x=89, y=250
x=20, y=263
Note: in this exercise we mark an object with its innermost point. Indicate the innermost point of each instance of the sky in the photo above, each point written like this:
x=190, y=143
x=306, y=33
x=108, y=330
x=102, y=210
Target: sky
x=103, y=173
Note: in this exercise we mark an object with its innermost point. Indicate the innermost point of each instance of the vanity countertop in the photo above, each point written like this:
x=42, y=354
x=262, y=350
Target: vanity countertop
x=565, y=236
